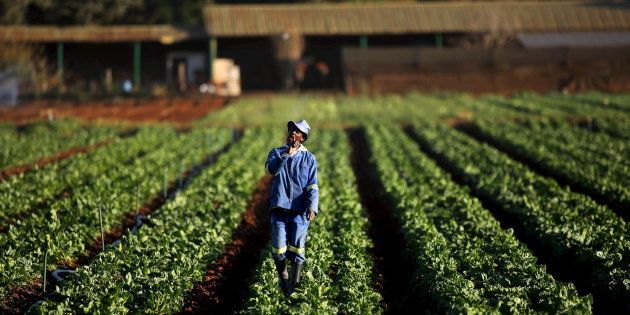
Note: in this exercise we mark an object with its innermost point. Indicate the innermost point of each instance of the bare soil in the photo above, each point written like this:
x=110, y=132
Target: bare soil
x=176, y=110
x=225, y=284
x=393, y=271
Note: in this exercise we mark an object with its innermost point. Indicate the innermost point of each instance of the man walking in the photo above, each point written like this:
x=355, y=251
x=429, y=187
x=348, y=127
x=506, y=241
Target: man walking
x=294, y=201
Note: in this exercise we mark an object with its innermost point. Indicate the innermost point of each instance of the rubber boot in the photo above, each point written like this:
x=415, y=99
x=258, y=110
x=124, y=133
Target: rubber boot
x=283, y=275
x=296, y=272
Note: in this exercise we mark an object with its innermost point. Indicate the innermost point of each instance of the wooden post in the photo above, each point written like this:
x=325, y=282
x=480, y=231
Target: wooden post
x=439, y=40
x=109, y=80
x=60, y=66
x=212, y=55
x=136, y=65
x=363, y=41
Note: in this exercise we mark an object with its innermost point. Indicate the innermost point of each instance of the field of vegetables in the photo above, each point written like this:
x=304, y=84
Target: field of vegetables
x=440, y=203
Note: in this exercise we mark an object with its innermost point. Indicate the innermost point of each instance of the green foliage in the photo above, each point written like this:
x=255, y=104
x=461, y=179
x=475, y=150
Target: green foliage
x=72, y=223
x=595, y=162
x=43, y=138
x=466, y=262
x=69, y=12
x=28, y=193
x=150, y=272
x=571, y=226
x=327, y=111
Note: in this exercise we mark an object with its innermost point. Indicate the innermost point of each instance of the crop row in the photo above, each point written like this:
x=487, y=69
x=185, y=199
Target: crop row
x=338, y=269
x=18, y=148
x=613, y=122
x=571, y=227
x=617, y=101
x=68, y=225
x=151, y=271
x=30, y=191
x=594, y=162
x=466, y=262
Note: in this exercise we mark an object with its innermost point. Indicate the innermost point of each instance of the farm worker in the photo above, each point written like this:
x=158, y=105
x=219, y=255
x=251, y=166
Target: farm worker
x=294, y=200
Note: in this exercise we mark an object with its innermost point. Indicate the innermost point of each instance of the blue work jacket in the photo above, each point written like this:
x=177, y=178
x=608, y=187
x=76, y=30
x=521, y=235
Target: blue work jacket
x=294, y=179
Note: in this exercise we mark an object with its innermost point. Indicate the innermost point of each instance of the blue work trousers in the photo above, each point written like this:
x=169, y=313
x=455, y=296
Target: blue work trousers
x=288, y=235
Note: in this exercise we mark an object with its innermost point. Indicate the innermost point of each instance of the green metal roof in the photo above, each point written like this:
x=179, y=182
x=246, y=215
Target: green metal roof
x=414, y=17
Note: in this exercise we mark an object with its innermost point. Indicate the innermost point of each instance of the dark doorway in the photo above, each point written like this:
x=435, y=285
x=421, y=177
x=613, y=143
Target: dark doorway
x=254, y=56
x=321, y=62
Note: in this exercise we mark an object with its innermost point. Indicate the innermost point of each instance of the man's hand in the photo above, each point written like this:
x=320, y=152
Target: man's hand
x=311, y=215
x=291, y=149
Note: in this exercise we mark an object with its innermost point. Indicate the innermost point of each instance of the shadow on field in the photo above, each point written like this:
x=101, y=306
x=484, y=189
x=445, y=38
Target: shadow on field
x=392, y=272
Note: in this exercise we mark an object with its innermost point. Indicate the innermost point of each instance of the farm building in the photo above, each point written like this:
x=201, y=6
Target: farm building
x=106, y=56
x=471, y=46
x=359, y=48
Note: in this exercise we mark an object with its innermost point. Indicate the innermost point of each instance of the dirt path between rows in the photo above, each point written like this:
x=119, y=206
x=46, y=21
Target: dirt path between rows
x=22, y=297
x=225, y=284
x=392, y=272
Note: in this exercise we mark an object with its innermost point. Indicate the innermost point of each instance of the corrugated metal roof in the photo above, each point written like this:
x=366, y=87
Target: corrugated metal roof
x=412, y=17
x=579, y=39
x=127, y=33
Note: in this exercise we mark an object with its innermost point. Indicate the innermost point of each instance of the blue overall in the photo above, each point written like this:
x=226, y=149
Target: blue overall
x=294, y=192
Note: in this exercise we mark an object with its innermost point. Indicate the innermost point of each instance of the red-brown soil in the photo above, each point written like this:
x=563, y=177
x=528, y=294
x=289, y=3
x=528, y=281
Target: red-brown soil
x=176, y=110
x=225, y=283
x=22, y=297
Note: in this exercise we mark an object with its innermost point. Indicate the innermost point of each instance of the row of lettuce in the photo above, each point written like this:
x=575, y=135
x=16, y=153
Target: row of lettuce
x=570, y=228
x=110, y=181
x=594, y=163
x=151, y=271
x=28, y=143
x=466, y=263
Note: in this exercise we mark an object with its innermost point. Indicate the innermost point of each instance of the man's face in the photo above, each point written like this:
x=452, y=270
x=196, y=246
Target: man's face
x=295, y=136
